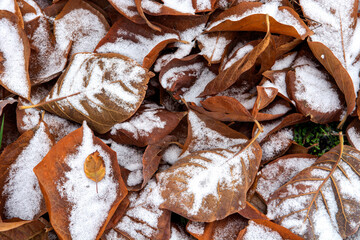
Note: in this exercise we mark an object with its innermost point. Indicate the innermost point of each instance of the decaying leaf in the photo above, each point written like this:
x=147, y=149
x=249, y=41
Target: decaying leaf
x=76, y=210
x=210, y=185
x=353, y=133
x=104, y=96
x=25, y=230
x=94, y=167
x=322, y=201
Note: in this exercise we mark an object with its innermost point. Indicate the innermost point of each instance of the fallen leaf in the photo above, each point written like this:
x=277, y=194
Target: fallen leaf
x=324, y=194
x=69, y=194
x=94, y=167
x=26, y=230
x=353, y=133
x=104, y=98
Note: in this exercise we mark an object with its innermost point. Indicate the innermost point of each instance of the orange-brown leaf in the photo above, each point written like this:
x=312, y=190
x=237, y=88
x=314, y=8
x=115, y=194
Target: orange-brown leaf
x=94, y=167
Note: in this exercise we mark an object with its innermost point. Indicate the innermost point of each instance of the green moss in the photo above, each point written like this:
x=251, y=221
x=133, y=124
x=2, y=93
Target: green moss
x=319, y=138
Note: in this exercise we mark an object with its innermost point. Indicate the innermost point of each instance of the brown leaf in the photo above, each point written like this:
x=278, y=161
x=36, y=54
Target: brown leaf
x=20, y=192
x=14, y=77
x=213, y=183
x=124, y=33
x=265, y=229
x=5, y=102
x=155, y=224
x=226, y=78
x=352, y=133
x=227, y=228
x=324, y=194
x=280, y=171
x=283, y=20
x=251, y=212
x=94, y=167
x=98, y=99
x=25, y=230
x=66, y=187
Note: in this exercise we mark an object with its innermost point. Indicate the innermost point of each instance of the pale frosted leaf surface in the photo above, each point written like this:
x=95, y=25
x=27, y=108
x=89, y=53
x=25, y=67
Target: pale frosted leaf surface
x=135, y=41
x=337, y=27
x=22, y=191
x=321, y=201
x=308, y=81
x=353, y=135
x=210, y=185
x=278, y=172
x=14, y=50
x=214, y=45
x=284, y=62
x=206, y=135
x=81, y=25
x=238, y=54
x=114, y=235
x=89, y=209
x=197, y=228
x=283, y=16
x=246, y=98
x=127, y=7
x=136, y=127
x=144, y=219
x=179, y=234
x=277, y=143
x=130, y=158
x=258, y=231
x=279, y=83
x=105, y=96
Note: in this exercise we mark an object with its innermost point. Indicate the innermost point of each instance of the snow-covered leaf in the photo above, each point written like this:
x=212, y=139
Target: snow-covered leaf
x=20, y=191
x=144, y=219
x=322, y=201
x=139, y=42
x=159, y=123
x=14, y=56
x=104, y=96
x=81, y=25
x=353, y=133
x=210, y=185
x=76, y=210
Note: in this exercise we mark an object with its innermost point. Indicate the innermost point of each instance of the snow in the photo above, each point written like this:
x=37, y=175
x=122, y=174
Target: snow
x=279, y=172
x=123, y=93
x=202, y=5
x=279, y=83
x=205, y=138
x=14, y=75
x=284, y=62
x=267, y=127
x=22, y=190
x=151, y=6
x=354, y=137
x=88, y=208
x=272, y=9
x=179, y=234
x=197, y=228
x=277, y=109
x=134, y=45
x=136, y=126
x=246, y=98
x=277, y=143
x=30, y=16
x=113, y=235
x=184, y=6
x=171, y=154
x=307, y=84
x=81, y=27
x=141, y=218
x=169, y=78
x=130, y=158
x=257, y=231
x=8, y=5
x=213, y=47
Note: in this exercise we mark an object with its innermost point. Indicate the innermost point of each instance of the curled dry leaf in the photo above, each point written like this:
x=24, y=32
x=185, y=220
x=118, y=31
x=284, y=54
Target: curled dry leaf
x=68, y=193
x=14, y=56
x=322, y=201
x=20, y=191
x=5, y=102
x=353, y=133
x=250, y=16
x=227, y=228
x=25, y=230
x=265, y=229
x=104, y=96
x=210, y=185
x=94, y=167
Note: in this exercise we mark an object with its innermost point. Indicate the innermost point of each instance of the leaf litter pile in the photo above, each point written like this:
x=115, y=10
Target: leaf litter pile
x=149, y=119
